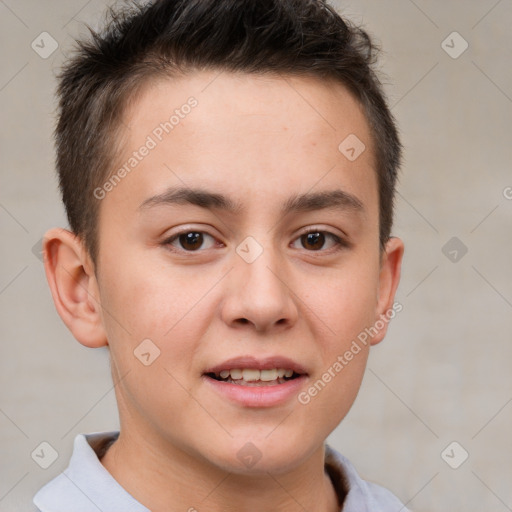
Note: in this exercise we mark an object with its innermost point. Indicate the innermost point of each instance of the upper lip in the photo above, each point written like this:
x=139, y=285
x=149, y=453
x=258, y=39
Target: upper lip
x=267, y=363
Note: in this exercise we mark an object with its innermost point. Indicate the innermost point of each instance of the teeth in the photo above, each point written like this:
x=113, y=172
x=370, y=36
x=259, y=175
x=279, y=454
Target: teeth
x=235, y=374
x=268, y=375
x=250, y=375
x=253, y=375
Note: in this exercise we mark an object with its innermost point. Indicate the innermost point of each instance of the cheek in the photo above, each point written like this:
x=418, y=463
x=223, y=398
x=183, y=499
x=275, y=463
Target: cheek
x=346, y=303
x=350, y=306
x=170, y=307
x=149, y=319
x=346, y=308
x=149, y=299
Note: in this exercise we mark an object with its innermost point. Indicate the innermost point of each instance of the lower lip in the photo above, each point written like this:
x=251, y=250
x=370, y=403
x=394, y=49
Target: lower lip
x=258, y=396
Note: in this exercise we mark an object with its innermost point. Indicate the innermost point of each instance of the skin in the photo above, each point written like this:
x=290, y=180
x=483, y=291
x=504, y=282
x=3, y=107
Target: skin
x=259, y=141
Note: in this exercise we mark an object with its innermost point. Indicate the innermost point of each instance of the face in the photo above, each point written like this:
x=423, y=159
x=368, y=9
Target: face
x=243, y=247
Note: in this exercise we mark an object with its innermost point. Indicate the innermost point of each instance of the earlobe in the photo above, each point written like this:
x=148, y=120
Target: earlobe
x=73, y=286
x=388, y=283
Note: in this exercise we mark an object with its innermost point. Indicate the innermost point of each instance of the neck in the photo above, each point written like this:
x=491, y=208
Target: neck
x=170, y=479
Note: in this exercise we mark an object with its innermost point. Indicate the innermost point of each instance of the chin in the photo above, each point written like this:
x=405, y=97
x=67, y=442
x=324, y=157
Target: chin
x=259, y=454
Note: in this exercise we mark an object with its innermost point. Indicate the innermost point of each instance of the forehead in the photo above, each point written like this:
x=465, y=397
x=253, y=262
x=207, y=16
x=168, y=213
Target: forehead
x=246, y=134
x=325, y=108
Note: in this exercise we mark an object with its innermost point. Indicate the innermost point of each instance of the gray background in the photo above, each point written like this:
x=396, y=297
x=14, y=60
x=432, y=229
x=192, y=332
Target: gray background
x=443, y=372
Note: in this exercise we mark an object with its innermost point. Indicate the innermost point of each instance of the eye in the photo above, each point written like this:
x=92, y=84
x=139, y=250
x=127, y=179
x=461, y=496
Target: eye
x=315, y=240
x=191, y=241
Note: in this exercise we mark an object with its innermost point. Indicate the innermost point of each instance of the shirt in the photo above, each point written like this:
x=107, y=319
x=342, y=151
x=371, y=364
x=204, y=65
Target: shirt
x=86, y=486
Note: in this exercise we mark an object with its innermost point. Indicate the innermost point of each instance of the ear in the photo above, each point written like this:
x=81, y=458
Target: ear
x=70, y=274
x=389, y=278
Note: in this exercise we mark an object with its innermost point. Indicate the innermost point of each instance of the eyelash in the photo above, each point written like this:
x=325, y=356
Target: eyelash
x=339, y=243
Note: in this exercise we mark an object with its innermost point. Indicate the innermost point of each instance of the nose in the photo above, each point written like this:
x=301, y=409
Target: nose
x=259, y=294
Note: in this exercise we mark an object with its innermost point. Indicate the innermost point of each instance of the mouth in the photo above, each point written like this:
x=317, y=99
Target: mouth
x=253, y=382
x=254, y=376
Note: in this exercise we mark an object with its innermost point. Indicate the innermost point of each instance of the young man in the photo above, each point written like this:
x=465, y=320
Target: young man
x=228, y=170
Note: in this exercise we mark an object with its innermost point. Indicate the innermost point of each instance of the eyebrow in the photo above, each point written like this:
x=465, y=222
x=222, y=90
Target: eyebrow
x=334, y=199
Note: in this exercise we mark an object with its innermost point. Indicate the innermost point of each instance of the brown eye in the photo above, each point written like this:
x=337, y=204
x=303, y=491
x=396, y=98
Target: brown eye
x=191, y=241
x=320, y=241
x=313, y=241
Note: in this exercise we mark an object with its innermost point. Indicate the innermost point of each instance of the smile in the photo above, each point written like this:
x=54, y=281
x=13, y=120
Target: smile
x=255, y=377
x=253, y=382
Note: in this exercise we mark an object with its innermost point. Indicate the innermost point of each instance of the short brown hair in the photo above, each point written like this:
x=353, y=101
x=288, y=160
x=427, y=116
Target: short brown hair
x=164, y=37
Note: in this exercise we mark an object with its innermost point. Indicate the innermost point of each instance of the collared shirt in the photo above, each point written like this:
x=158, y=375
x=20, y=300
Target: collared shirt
x=86, y=486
